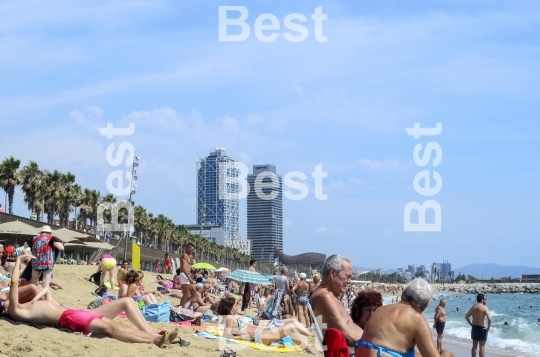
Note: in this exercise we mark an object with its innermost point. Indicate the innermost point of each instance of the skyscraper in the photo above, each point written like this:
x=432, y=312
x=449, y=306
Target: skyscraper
x=265, y=212
x=446, y=268
x=217, y=192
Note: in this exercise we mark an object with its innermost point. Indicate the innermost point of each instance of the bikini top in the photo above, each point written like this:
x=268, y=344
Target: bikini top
x=241, y=324
x=382, y=350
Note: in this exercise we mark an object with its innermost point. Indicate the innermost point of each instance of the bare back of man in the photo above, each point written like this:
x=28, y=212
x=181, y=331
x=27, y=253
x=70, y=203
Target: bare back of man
x=479, y=313
x=399, y=328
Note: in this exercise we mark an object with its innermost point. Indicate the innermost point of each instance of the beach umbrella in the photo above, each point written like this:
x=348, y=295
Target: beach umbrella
x=63, y=236
x=71, y=233
x=203, y=266
x=248, y=276
x=222, y=269
x=18, y=228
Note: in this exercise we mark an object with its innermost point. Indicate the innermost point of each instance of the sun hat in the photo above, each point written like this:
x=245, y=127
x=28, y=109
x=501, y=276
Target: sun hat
x=46, y=229
x=302, y=275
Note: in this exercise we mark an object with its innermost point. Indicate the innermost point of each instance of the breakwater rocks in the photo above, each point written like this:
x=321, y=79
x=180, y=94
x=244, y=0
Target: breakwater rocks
x=496, y=288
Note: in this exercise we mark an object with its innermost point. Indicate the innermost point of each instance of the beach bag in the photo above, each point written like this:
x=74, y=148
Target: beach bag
x=101, y=291
x=157, y=312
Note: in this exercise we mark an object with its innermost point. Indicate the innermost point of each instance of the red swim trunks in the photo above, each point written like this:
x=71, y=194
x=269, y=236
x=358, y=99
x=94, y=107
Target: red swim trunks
x=77, y=320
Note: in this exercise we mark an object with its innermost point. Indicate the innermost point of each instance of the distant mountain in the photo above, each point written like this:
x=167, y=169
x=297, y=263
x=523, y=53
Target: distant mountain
x=486, y=271
x=361, y=269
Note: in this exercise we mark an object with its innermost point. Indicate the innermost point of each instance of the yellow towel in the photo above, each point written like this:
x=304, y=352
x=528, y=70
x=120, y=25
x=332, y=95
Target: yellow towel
x=218, y=331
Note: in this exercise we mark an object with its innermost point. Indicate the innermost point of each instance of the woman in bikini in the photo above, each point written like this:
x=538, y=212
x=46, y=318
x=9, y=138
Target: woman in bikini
x=134, y=281
x=236, y=328
x=197, y=301
x=121, y=277
x=300, y=290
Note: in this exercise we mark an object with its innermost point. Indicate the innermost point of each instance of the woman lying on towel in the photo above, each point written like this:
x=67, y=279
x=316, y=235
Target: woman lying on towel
x=236, y=328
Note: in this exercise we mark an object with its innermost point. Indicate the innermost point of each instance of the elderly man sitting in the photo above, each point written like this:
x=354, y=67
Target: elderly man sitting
x=336, y=275
x=394, y=330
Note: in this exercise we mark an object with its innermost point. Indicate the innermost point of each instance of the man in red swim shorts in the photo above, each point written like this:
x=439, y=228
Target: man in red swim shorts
x=98, y=321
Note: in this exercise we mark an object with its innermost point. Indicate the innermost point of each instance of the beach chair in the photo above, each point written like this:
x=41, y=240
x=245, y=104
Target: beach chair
x=317, y=330
x=260, y=311
x=320, y=337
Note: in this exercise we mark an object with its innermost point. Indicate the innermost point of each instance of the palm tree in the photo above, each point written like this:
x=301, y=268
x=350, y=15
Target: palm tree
x=31, y=181
x=67, y=197
x=52, y=194
x=9, y=178
x=77, y=201
x=90, y=202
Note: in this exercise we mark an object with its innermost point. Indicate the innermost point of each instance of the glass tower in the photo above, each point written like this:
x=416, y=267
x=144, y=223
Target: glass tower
x=217, y=192
x=265, y=212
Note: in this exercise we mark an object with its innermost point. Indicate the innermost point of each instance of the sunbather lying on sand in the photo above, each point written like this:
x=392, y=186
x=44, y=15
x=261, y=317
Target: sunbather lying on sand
x=98, y=321
x=237, y=329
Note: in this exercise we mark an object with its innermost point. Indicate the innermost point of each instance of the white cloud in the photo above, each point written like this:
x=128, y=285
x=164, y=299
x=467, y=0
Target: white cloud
x=382, y=166
x=254, y=119
x=229, y=124
x=321, y=230
x=160, y=118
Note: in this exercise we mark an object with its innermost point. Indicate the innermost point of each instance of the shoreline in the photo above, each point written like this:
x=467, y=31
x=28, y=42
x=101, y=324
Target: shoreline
x=462, y=348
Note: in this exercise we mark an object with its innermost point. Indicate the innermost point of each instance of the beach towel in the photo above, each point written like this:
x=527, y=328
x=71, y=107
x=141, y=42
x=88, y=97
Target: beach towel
x=286, y=344
x=272, y=307
x=336, y=345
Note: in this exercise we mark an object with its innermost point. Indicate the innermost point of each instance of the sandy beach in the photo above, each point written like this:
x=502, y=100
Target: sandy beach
x=27, y=341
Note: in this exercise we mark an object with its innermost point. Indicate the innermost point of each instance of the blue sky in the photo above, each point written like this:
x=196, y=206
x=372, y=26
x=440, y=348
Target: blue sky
x=68, y=68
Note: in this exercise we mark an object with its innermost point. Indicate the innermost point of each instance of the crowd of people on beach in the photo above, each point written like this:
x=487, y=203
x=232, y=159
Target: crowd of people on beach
x=352, y=319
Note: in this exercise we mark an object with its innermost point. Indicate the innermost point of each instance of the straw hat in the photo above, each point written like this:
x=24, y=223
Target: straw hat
x=46, y=229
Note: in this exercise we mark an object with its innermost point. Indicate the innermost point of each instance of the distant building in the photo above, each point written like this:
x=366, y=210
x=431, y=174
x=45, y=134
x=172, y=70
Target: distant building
x=407, y=275
x=436, y=270
x=422, y=269
x=446, y=268
x=243, y=245
x=218, y=201
x=212, y=232
x=411, y=269
x=265, y=212
x=379, y=271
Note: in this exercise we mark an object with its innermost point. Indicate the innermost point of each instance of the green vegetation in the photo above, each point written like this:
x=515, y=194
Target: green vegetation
x=57, y=195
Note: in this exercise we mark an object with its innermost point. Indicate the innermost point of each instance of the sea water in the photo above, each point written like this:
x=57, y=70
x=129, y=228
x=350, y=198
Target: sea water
x=521, y=311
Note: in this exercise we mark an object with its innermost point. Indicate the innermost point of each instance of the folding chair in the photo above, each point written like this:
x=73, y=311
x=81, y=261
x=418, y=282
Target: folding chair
x=260, y=310
x=319, y=336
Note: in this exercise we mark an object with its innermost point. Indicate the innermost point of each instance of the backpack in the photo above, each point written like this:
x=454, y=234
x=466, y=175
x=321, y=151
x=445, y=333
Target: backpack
x=101, y=291
x=157, y=312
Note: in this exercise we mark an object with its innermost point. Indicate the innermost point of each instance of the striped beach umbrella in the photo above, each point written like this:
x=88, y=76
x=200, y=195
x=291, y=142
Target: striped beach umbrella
x=248, y=276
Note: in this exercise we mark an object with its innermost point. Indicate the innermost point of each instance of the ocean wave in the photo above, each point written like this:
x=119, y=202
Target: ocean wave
x=520, y=337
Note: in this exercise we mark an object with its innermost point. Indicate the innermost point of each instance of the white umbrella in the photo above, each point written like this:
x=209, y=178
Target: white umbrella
x=222, y=269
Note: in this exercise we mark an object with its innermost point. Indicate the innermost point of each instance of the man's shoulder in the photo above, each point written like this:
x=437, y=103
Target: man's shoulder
x=321, y=295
